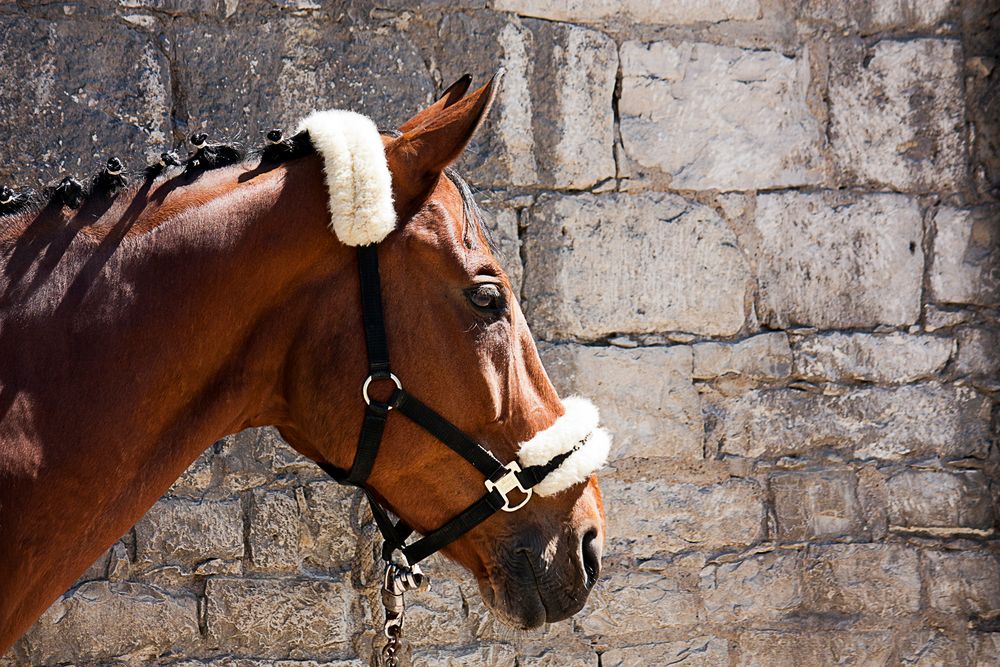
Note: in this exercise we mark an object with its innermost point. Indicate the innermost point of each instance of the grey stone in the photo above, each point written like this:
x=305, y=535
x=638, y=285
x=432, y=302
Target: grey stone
x=492, y=655
x=928, y=498
x=731, y=139
x=650, y=518
x=963, y=583
x=761, y=589
x=816, y=505
x=894, y=358
x=279, y=618
x=965, y=264
x=778, y=647
x=274, y=532
x=663, y=420
x=553, y=121
x=882, y=423
x=838, y=261
x=880, y=580
x=184, y=532
x=72, y=95
x=896, y=114
x=873, y=16
x=763, y=357
x=676, y=267
x=697, y=652
x=102, y=620
x=332, y=538
x=978, y=352
x=675, y=12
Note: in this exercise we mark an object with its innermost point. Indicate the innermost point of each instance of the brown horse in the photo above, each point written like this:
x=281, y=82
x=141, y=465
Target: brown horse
x=141, y=328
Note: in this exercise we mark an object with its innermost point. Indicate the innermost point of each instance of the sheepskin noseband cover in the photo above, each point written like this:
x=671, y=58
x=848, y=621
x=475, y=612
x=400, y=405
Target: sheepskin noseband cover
x=357, y=175
x=575, y=429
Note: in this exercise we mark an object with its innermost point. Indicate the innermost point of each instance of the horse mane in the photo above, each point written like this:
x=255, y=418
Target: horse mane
x=114, y=181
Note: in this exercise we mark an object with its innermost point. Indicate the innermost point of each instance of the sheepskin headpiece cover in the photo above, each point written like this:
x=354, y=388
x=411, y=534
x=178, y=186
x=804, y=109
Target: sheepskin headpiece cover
x=362, y=212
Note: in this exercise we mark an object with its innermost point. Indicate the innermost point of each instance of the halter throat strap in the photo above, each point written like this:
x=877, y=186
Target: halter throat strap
x=499, y=479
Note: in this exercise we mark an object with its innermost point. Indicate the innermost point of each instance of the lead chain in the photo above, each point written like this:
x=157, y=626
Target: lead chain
x=399, y=578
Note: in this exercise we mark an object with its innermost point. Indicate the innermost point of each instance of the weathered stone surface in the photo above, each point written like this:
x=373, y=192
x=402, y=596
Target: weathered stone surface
x=730, y=139
x=88, y=93
x=978, y=352
x=492, y=655
x=759, y=589
x=501, y=220
x=833, y=260
x=634, y=602
x=673, y=12
x=894, y=358
x=763, y=357
x=553, y=125
x=185, y=533
x=697, y=652
x=930, y=648
x=560, y=657
x=881, y=423
x=816, y=505
x=297, y=65
x=965, y=264
x=772, y=648
x=896, y=114
x=333, y=539
x=868, y=579
x=655, y=517
x=675, y=267
x=963, y=583
x=278, y=618
x=274, y=532
x=663, y=420
x=872, y=16
x=927, y=498
x=101, y=620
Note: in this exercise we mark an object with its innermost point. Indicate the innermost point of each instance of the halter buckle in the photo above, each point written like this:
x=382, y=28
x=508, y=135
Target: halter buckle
x=509, y=482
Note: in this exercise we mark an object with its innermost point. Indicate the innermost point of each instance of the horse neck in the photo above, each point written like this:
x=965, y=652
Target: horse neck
x=132, y=356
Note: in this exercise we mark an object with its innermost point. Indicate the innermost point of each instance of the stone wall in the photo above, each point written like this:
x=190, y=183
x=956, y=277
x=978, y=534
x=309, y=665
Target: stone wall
x=763, y=234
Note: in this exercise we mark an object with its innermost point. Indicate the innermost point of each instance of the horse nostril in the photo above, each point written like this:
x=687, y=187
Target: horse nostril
x=590, y=551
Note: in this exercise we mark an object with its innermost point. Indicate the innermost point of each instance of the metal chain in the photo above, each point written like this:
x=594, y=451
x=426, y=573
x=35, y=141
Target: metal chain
x=399, y=578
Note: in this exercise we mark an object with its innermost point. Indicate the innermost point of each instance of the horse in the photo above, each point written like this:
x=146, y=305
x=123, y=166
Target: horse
x=142, y=321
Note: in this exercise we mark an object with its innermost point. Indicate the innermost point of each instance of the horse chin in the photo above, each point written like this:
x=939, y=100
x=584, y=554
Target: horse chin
x=516, y=606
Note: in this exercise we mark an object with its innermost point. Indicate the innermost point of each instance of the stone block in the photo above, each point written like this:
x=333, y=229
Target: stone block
x=889, y=423
x=553, y=121
x=275, y=524
x=755, y=129
x=978, y=349
x=874, y=16
x=501, y=219
x=635, y=602
x=897, y=114
x=559, y=657
x=965, y=263
x=185, y=533
x=932, y=648
x=816, y=505
x=853, y=580
x=777, y=647
x=102, y=620
x=894, y=358
x=697, y=652
x=833, y=260
x=764, y=588
x=332, y=538
x=963, y=583
x=653, y=517
x=606, y=264
x=279, y=618
x=297, y=64
x=489, y=655
x=939, y=499
x=674, y=12
x=763, y=357
x=75, y=92
x=645, y=396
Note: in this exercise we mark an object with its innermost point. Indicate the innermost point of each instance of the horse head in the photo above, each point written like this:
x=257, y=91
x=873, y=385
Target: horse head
x=459, y=341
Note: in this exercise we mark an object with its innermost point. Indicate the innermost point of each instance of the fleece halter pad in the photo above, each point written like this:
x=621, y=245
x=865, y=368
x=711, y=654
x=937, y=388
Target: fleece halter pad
x=357, y=175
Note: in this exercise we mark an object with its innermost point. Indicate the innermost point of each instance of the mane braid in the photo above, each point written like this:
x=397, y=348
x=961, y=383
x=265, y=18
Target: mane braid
x=166, y=160
x=299, y=145
x=111, y=180
x=14, y=202
x=207, y=156
x=69, y=193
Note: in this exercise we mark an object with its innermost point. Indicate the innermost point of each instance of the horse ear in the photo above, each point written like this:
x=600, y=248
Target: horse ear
x=419, y=156
x=454, y=93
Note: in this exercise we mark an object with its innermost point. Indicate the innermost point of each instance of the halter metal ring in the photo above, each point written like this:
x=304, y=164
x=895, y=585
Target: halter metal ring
x=368, y=381
x=509, y=482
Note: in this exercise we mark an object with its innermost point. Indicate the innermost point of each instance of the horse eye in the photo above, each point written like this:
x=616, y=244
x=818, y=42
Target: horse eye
x=486, y=297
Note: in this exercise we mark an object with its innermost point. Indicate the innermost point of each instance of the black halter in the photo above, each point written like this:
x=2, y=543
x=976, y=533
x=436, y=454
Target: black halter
x=500, y=480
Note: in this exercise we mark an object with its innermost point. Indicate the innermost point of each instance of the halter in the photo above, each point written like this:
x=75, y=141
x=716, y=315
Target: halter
x=500, y=480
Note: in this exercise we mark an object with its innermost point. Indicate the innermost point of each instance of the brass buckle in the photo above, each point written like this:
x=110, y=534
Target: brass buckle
x=507, y=483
